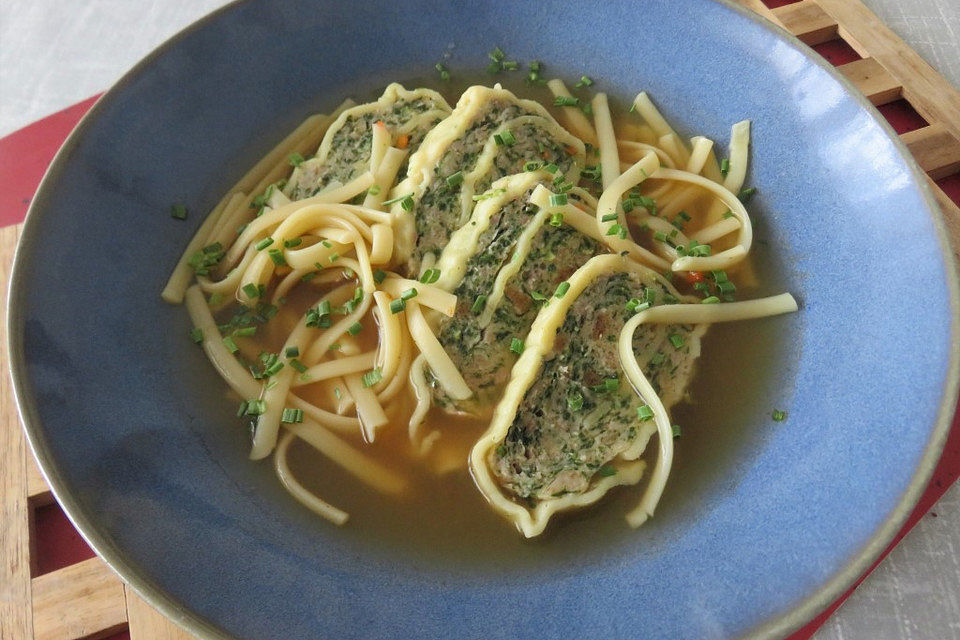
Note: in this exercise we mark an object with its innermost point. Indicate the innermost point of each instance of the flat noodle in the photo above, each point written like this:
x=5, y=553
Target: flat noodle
x=443, y=368
x=574, y=118
x=301, y=493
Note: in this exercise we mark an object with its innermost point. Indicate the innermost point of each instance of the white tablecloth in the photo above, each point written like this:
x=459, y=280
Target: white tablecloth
x=56, y=52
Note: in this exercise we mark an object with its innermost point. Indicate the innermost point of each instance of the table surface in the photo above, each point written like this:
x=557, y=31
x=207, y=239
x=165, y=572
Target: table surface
x=54, y=53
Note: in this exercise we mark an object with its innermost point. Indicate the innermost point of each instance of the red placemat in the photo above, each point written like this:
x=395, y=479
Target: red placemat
x=25, y=155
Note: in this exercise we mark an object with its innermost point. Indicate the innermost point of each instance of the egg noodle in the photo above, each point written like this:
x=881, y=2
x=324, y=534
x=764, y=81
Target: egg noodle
x=350, y=246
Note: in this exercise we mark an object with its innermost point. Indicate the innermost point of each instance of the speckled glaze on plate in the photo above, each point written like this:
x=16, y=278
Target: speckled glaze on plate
x=130, y=426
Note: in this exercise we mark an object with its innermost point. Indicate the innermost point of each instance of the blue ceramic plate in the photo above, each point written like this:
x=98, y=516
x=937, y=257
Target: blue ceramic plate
x=763, y=524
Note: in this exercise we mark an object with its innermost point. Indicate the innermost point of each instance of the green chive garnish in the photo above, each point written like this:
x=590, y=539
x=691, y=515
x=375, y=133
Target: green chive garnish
x=355, y=328
x=290, y=244
x=566, y=101
x=455, y=179
x=558, y=199
x=556, y=219
x=676, y=430
x=295, y=159
x=562, y=289
x=725, y=166
x=779, y=416
x=398, y=199
x=610, y=217
x=299, y=366
x=178, y=211
x=263, y=244
x=430, y=276
x=710, y=300
x=230, y=344
x=479, y=303
x=398, y=305
x=291, y=416
x=251, y=290
x=746, y=194
x=575, y=402
x=584, y=81
x=516, y=346
x=196, y=335
x=371, y=378
x=676, y=340
x=379, y=275
x=644, y=412
x=256, y=407
x=277, y=256
x=443, y=71
x=292, y=352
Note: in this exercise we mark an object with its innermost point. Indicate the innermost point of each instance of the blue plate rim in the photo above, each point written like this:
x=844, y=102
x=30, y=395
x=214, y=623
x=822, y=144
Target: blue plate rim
x=780, y=626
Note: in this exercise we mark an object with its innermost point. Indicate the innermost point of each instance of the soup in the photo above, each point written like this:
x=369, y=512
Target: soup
x=441, y=313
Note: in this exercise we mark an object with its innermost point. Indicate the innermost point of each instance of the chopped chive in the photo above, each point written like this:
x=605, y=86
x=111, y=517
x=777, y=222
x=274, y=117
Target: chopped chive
x=657, y=359
x=337, y=392
x=290, y=244
x=726, y=287
x=230, y=344
x=455, y=179
x=355, y=328
x=273, y=369
x=299, y=366
x=725, y=166
x=710, y=300
x=566, y=101
x=562, y=289
x=430, y=276
x=610, y=217
x=533, y=165
x=263, y=244
x=327, y=244
x=593, y=172
x=409, y=293
x=250, y=290
x=575, y=402
x=676, y=430
x=650, y=295
x=551, y=168
x=516, y=346
x=244, y=332
x=443, y=71
x=608, y=385
x=676, y=340
x=277, y=256
x=489, y=194
x=479, y=303
x=584, y=81
x=374, y=190
x=556, y=219
x=510, y=65
x=196, y=335
x=746, y=194
x=371, y=378
x=497, y=54
x=634, y=305
x=539, y=297
x=558, y=199
x=379, y=275
x=295, y=159
x=779, y=416
x=644, y=412
x=178, y=211
x=292, y=352
x=616, y=230
x=291, y=416
x=256, y=407
x=215, y=299
x=397, y=199
x=660, y=236
x=334, y=347
x=508, y=138
x=398, y=305
x=242, y=409
x=587, y=108
x=606, y=471
x=334, y=257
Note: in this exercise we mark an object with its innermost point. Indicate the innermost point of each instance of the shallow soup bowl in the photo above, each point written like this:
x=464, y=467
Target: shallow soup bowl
x=764, y=523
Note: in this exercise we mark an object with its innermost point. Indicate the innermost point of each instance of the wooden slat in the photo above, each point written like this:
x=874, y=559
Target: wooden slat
x=872, y=80
x=16, y=621
x=84, y=600
x=951, y=217
x=760, y=9
x=929, y=93
x=146, y=624
x=807, y=21
x=935, y=149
